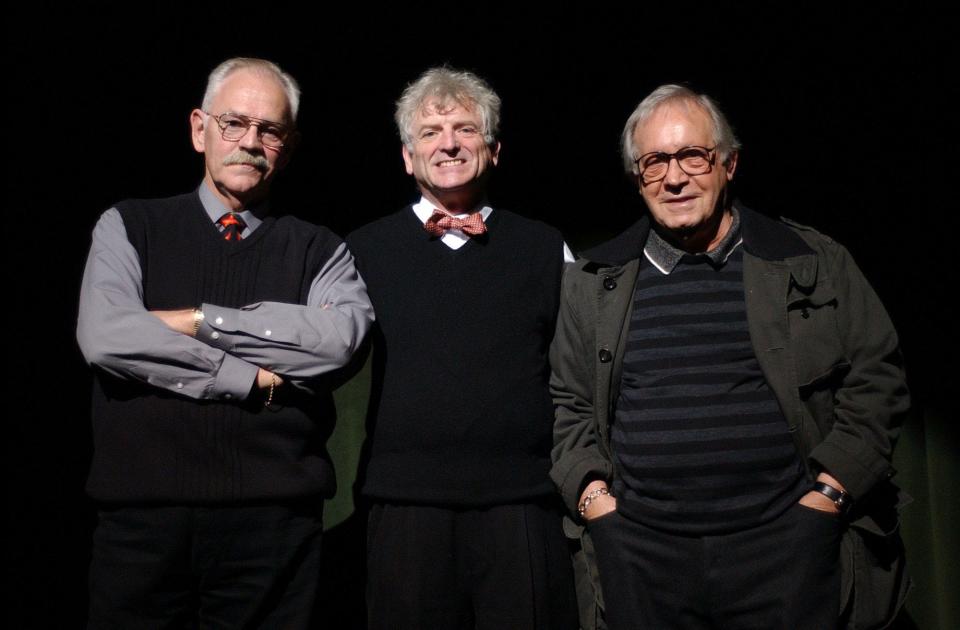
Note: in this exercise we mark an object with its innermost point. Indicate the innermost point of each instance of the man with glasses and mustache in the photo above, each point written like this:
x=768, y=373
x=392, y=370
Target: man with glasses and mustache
x=729, y=390
x=210, y=324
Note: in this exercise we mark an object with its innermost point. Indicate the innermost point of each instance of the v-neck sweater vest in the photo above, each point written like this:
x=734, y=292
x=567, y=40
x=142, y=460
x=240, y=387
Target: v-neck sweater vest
x=152, y=446
x=461, y=412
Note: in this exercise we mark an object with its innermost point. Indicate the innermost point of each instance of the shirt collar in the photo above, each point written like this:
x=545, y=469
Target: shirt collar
x=424, y=210
x=666, y=257
x=215, y=209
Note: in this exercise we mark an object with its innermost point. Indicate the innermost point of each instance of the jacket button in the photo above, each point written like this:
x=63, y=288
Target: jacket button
x=605, y=355
x=609, y=283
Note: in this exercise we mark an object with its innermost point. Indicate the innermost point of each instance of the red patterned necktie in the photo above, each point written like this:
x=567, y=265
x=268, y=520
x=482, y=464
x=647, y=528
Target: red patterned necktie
x=233, y=226
x=440, y=221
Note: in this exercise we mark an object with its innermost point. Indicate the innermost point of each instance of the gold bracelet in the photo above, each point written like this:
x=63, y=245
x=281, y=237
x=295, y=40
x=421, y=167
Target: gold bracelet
x=197, y=320
x=273, y=384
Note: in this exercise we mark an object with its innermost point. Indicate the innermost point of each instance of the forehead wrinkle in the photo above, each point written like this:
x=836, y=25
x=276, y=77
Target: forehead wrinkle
x=253, y=94
x=443, y=104
x=671, y=133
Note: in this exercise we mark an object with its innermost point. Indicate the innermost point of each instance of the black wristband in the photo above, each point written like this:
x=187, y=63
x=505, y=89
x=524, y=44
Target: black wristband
x=840, y=498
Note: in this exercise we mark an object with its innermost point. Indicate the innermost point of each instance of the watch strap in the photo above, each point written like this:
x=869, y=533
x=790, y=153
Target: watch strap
x=840, y=498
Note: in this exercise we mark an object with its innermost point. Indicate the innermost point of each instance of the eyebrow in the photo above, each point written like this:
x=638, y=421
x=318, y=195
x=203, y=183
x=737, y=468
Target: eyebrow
x=259, y=121
x=455, y=124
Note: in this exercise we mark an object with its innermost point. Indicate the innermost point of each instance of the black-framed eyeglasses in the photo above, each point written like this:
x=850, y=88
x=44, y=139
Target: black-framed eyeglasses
x=692, y=160
x=233, y=127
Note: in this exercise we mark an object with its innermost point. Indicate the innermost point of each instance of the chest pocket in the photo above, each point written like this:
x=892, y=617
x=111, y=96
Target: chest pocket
x=812, y=316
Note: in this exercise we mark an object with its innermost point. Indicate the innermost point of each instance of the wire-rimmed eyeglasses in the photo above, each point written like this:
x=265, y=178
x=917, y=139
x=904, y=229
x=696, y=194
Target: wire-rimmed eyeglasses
x=233, y=127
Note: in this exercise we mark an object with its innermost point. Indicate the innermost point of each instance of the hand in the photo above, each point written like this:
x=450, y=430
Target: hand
x=181, y=320
x=265, y=378
x=599, y=506
x=816, y=501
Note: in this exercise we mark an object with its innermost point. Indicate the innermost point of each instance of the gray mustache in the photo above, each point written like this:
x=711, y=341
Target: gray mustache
x=242, y=157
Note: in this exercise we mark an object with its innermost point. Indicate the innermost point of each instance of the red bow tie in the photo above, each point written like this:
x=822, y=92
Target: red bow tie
x=439, y=222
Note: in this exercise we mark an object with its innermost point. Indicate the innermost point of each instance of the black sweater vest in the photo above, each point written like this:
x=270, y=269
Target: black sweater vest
x=460, y=409
x=151, y=445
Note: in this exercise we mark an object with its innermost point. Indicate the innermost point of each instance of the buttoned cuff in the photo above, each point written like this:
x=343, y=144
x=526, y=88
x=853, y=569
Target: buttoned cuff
x=216, y=321
x=235, y=379
x=221, y=327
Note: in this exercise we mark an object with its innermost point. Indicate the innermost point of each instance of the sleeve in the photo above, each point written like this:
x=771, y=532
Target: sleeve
x=577, y=455
x=117, y=334
x=872, y=400
x=298, y=341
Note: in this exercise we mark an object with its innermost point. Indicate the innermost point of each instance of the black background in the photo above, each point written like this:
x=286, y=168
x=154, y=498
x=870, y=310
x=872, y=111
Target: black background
x=847, y=116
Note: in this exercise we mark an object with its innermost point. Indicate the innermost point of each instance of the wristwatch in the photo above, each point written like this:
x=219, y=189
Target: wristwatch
x=840, y=498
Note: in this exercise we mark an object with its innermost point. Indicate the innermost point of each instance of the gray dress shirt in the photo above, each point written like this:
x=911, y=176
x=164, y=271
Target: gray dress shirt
x=118, y=334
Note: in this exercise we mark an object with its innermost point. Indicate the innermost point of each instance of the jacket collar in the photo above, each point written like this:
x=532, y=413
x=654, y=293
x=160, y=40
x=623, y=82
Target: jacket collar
x=775, y=242
x=626, y=246
x=763, y=237
x=769, y=239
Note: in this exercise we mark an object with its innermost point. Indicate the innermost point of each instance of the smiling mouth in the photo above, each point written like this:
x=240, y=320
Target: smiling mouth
x=456, y=162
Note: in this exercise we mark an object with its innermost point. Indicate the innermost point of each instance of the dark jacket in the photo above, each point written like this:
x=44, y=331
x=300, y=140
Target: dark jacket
x=828, y=351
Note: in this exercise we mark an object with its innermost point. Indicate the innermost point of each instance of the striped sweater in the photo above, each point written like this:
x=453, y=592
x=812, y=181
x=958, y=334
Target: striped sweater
x=700, y=443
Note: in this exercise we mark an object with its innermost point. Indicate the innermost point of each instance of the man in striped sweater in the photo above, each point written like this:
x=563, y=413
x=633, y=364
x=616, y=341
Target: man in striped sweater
x=734, y=429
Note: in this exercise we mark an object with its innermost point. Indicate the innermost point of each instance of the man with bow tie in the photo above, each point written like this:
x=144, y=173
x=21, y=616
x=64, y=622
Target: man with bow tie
x=208, y=321
x=464, y=529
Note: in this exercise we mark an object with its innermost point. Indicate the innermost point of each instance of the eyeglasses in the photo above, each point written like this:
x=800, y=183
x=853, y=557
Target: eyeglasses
x=233, y=127
x=692, y=160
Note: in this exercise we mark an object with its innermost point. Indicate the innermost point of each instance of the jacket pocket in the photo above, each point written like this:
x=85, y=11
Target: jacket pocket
x=820, y=360
x=816, y=340
x=874, y=578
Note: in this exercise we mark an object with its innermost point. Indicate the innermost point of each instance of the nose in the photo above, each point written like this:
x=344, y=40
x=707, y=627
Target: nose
x=251, y=139
x=675, y=178
x=448, y=141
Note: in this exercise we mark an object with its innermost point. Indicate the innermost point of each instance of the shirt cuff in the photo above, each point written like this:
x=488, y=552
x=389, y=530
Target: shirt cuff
x=222, y=327
x=234, y=380
x=215, y=321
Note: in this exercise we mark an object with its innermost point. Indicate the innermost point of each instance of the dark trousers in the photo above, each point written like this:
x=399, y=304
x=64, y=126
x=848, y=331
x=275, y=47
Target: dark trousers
x=780, y=575
x=205, y=567
x=500, y=567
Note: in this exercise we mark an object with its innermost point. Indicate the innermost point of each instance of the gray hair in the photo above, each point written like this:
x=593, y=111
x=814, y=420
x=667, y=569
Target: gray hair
x=447, y=86
x=228, y=67
x=723, y=136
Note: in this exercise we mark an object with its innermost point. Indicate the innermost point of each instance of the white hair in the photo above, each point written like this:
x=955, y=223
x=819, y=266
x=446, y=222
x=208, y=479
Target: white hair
x=445, y=86
x=723, y=136
x=228, y=67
